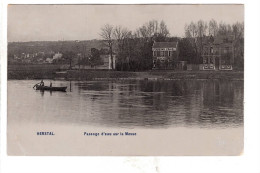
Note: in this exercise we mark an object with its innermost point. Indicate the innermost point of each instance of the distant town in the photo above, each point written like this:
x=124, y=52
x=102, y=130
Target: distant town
x=207, y=45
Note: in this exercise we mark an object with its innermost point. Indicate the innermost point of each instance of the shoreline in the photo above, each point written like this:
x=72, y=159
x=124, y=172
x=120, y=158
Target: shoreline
x=56, y=72
x=125, y=75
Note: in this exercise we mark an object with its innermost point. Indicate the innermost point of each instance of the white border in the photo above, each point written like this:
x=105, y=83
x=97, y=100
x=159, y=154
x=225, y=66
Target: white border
x=248, y=162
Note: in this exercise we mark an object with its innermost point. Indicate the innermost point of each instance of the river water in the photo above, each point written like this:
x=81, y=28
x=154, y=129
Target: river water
x=185, y=110
x=129, y=104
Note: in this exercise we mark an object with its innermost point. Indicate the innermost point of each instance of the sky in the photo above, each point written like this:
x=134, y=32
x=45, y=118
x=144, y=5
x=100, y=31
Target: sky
x=83, y=22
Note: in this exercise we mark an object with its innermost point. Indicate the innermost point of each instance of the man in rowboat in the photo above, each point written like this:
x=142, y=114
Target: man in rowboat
x=42, y=83
x=40, y=86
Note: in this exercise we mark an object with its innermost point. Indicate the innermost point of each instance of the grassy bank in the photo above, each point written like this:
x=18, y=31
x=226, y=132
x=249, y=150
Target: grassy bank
x=200, y=74
x=50, y=72
x=43, y=71
x=92, y=75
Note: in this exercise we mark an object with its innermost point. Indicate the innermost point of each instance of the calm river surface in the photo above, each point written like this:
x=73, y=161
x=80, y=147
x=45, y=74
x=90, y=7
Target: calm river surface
x=129, y=104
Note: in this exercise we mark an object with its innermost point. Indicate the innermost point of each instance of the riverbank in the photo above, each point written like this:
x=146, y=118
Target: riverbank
x=55, y=72
x=154, y=75
x=43, y=71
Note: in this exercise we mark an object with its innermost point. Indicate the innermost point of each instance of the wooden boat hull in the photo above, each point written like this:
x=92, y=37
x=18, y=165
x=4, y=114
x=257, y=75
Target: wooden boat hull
x=47, y=88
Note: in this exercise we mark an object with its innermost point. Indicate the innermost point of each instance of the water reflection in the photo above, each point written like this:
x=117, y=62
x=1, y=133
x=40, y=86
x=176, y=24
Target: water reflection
x=42, y=92
x=153, y=104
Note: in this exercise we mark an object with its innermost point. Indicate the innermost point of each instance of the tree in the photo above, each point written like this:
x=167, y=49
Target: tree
x=191, y=30
x=195, y=32
x=213, y=27
x=238, y=32
x=187, y=52
x=191, y=33
x=202, y=30
x=123, y=36
x=107, y=35
x=68, y=56
x=159, y=37
x=164, y=30
x=95, y=58
x=152, y=29
x=224, y=29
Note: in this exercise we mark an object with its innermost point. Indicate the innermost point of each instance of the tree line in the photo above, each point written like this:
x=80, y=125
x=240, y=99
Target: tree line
x=134, y=48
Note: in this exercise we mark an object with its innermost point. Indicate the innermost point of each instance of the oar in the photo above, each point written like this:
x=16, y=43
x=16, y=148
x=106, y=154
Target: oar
x=35, y=85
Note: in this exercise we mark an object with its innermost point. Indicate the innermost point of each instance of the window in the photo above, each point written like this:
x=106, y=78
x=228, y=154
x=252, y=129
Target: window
x=169, y=53
x=211, y=50
x=161, y=53
x=217, y=51
x=211, y=60
x=205, y=51
x=204, y=60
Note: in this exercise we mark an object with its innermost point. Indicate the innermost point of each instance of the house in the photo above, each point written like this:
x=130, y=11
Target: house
x=57, y=55
x=49, y=60
x=165, y=55
x=218, y=53
x=106, y=58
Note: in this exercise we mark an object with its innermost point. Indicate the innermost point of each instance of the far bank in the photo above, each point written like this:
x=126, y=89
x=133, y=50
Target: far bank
x=53, y=72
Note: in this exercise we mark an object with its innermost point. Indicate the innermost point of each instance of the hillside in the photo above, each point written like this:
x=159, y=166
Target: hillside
x=17, y=48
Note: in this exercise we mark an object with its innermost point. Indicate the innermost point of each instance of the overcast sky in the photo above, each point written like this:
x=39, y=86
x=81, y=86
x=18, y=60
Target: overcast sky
x=83, y=22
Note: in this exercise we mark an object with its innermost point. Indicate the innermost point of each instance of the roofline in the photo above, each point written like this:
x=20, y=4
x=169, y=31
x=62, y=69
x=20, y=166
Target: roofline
x=177, y=43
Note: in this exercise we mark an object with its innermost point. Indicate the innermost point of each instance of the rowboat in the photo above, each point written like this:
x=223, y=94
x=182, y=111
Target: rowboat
x=48, y=88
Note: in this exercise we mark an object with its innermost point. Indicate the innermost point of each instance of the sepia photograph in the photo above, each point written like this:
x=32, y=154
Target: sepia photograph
x=125, y=80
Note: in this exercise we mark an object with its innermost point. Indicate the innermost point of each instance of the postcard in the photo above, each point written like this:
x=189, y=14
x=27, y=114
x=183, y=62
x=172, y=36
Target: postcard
x=125, y=80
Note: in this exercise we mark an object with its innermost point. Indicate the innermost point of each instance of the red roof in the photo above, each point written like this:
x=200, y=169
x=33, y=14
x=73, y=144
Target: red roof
x=165, y=44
